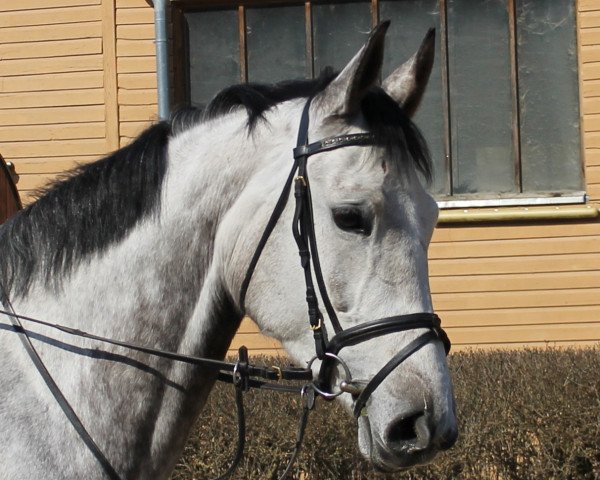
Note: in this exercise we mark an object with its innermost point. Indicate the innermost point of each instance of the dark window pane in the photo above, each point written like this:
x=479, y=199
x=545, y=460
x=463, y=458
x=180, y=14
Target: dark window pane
x=214, y=53
x=339, y=30
x=548, y=95
x=410, y=21
x=480, y=96
x=276, y=41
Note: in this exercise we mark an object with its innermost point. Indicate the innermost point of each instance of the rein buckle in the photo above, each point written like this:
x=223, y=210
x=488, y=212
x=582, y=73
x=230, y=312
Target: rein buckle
x=278, y=371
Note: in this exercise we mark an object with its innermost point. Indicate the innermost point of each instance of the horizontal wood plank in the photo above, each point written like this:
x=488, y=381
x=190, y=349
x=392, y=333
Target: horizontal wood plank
x=590, y=71
x=134, y=81
x=593, y=192
x=460, y=233
x=532, y=316
x=45, y=33
x=67, y=131
x=591, y=123
x=590, y=53
x=589, y=36
x=515, y=299
x=52, y=81
x=36, y=182
x=591, y=105
x=136, y=65
x=592, y=174
x=135, y=48
x=58, y=98
x=254, y=341
x=511, y=248
x=513, y=346
x=51, y=16
x=21, y=5
x=135, y=16
x=515, y=282
x=516, y=264
x=590, y=88
x=133, y=129
x=137, y=97
x=135, y=113
x=51, y=165
x=590, y=19
x=56, y=48
x=131, y=3
x=548, y=333
x=135, y=32
x=52, y=115
x=587, y=5
x=592, y=156
x=54, y=149
x=78, y=63
x=592, y=140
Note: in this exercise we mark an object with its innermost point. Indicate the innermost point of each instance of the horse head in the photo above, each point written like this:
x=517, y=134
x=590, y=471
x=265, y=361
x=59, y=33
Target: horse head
x=373, y=222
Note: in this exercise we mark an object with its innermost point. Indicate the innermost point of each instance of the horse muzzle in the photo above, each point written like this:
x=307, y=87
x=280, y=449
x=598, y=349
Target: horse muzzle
x=413, y=438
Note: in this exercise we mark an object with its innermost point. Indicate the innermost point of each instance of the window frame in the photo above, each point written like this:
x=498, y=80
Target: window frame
x=181, y=93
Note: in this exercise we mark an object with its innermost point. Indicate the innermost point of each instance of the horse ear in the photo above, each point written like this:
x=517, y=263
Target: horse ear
x=344, y=94
x=407, y=84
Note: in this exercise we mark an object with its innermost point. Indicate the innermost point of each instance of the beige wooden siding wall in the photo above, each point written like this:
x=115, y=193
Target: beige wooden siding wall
x=589, y=58
x=529, y=285
x=77, y=79
x=136, y=67
x=54, y=83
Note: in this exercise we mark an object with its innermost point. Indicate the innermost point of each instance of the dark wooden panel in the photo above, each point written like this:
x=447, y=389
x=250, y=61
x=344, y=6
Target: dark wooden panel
x=9, y=196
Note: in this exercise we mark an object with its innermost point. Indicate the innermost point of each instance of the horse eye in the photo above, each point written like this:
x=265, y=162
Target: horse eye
x=352, y=219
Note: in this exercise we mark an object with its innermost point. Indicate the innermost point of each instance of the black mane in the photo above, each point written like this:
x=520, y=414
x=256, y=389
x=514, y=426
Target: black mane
x=90, y=208
x=96, y=205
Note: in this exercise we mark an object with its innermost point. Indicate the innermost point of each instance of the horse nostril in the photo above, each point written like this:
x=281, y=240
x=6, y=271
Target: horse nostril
x=404, y=429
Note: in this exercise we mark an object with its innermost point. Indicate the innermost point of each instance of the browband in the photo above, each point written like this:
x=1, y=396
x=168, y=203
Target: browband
x=331, y=143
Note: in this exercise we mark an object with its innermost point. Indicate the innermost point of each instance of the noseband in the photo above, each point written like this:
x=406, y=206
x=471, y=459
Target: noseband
x=303, y=229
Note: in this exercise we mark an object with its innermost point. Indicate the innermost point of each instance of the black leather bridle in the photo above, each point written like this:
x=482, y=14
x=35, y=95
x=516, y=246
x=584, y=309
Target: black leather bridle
x=244, y=375
x=303, y=228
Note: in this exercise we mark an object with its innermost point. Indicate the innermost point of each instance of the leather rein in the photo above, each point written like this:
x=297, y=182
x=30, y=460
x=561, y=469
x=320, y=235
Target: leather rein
x=244, y=375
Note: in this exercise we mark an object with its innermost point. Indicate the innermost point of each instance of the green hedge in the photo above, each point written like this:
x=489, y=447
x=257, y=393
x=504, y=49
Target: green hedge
x=522, y=415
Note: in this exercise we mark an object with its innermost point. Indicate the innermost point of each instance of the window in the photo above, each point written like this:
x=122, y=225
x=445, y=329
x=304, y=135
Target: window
x=501, y=114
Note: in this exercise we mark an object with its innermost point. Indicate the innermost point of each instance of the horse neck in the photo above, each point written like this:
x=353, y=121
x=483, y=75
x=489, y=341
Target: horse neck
x=161, y=286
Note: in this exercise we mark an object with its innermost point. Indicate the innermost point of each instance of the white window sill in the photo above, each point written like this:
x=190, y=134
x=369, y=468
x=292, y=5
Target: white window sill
x=571, y=207
x=472, y=201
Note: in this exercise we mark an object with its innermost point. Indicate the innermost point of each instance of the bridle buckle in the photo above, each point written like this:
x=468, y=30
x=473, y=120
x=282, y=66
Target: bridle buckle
x=278, y=371
x=318, y=326
x=300, y=179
